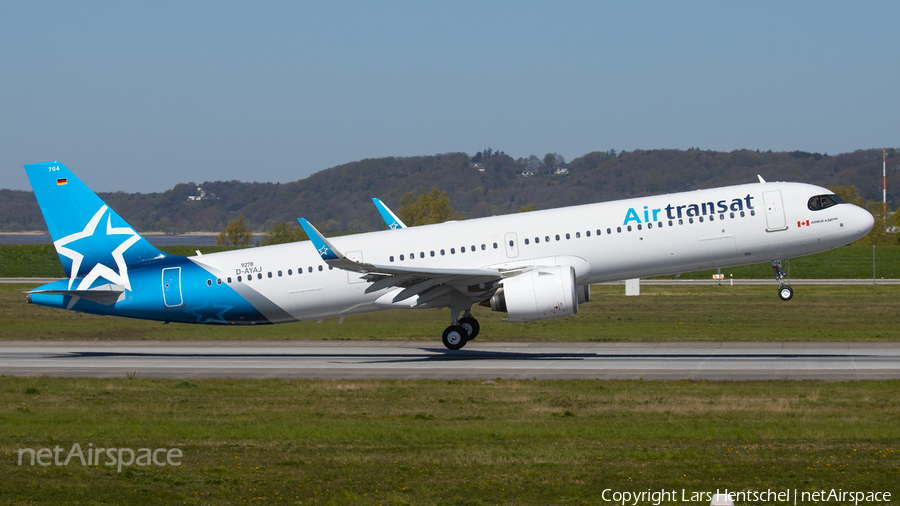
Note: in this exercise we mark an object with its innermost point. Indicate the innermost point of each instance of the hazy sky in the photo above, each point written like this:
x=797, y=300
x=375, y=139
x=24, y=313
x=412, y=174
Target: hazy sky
x=142, y=96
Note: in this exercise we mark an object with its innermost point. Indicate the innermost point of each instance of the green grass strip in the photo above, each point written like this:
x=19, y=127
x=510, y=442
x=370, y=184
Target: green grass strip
x=446, y=442
x=660, y=313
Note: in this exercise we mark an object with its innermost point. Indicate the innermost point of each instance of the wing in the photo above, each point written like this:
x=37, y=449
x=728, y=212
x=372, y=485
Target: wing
x=426, y=283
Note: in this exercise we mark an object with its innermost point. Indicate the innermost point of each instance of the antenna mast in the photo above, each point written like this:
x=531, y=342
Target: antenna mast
x=884, y=186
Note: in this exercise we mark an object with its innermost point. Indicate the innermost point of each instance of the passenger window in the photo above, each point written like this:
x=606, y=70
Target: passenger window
x=608, y=231
x=546, y=238
x=401, y=258
x=229, y=280
x=473, y=248
x=309, y=269
x=270, y=275
x=537, y=240
x=588, y=233
x=659, y=224
x=649, y=226
x=442, y=251
x=526, y=241
x=432, y=252
x=670, y=223
x=290, y=272
x=639, y=227
x=690, y=220
x=320, y=268
x=495, y=245
x=219, y=281
x=462, y=250
x=712, y=217
x=619, y=230
x=392, y=258
x=721, y=216
x=752, y=212
x=279, y=274
x=259, y=276
x=567, y=237
x=629, y=228
x=732, y=215
x=421, y=254
x=239, y=279
x=578, y=235
x=412, y=256
x=330, y=268
x=742, y=214
x=510, y=244
x=701, y=219
x=483, y=247
x=452, y=251
x=208, y=282
x=557, y=237
x=680, y=221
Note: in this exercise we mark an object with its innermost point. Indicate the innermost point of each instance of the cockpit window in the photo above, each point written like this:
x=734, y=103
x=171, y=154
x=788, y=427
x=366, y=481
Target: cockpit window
x=820, y=202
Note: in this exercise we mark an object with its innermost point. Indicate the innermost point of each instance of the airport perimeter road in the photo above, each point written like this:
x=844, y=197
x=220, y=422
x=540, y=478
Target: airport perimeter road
x=478, y=360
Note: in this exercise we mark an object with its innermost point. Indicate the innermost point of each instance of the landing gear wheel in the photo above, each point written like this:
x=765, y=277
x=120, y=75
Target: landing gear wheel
x=471, y=325
x=454, y=337
x=785, y=292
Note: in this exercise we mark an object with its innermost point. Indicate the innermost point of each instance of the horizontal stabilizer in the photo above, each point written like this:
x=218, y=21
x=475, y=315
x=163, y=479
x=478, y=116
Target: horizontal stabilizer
x=105, y=294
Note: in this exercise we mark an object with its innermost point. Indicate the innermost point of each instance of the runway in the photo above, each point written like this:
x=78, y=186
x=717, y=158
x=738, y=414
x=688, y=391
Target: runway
x=478, y=360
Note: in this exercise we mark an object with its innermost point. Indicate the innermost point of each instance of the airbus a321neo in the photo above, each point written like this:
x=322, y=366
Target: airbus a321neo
x=532, y=266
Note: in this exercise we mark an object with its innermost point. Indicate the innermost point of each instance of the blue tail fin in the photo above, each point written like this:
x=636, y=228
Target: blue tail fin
x=95, y=245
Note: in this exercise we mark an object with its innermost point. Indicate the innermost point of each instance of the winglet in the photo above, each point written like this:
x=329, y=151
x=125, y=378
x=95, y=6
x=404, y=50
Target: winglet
x=329, y=253
x=391, y=219
x=761, y=180
x=323, y=246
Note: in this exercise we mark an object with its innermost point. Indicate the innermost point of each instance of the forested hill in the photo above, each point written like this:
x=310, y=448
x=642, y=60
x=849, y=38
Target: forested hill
x=487, y=184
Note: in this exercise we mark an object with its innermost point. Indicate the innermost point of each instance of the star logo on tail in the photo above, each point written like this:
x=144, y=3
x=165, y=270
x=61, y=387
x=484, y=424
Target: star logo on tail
x=103, y=247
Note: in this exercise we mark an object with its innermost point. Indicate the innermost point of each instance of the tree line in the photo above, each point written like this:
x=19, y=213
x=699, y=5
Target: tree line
x=487, y=183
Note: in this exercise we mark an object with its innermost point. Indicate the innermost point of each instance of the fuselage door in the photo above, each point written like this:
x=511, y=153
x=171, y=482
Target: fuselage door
x=774, y=211
x=511, y=245
x=171, y=285
x=354, y=277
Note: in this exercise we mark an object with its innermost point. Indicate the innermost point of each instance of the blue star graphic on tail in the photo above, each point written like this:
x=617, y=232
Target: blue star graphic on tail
x=97, y=251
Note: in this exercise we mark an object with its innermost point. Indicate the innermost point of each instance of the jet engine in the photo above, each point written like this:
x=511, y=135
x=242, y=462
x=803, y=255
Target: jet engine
x=539, y=294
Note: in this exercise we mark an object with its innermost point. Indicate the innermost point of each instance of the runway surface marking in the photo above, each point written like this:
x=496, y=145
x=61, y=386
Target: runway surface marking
x=415, y=359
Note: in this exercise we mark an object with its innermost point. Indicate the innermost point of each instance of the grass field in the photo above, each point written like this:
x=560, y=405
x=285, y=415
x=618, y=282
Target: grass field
x=661, y=313
x=855, y=262
x=446, y=442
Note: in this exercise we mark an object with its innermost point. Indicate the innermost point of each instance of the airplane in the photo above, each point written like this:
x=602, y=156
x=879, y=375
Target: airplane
x=533, y=266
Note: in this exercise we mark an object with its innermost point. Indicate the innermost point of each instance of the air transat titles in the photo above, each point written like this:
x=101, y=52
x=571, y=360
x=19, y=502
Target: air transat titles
x=689, y=210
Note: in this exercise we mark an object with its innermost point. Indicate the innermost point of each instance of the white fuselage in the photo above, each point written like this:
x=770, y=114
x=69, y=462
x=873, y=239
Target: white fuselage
x=647, y=236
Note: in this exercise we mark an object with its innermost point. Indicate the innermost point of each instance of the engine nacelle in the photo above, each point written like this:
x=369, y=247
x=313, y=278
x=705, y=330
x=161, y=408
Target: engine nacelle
x=539, y=294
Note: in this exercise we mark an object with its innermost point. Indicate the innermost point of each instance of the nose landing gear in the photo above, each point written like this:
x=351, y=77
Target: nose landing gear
x=785, y=292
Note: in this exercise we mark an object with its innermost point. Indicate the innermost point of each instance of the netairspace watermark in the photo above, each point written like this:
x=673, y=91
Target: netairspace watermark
x=789, y=496
x=117, y=457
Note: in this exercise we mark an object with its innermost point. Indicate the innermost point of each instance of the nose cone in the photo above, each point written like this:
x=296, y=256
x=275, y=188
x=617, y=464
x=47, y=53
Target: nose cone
x=860, y=221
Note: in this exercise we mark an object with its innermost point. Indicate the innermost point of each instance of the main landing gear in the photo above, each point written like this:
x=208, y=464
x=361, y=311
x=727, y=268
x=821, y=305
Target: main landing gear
x=785, y=292
x=460, y=332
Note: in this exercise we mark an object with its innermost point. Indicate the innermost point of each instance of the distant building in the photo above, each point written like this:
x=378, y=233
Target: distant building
x=528, y=172
x=561, y=171
x=202, y=195
x=479, y=166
